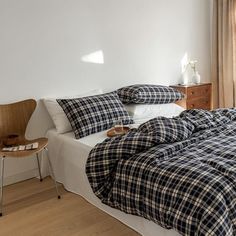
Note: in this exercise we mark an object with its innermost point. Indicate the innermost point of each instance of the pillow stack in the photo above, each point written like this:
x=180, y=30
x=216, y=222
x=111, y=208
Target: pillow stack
x=94, y=112
x=145, y=102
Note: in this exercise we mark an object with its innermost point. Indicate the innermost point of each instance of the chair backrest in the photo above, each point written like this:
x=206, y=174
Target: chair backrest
x=15, y=117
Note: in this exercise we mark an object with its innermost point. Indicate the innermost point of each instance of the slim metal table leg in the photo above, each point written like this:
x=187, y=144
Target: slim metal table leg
x=2, y=178
x=40, y=175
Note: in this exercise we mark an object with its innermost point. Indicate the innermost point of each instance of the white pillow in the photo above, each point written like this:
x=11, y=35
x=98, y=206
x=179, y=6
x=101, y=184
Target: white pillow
x=144, y=112
x=57, y=114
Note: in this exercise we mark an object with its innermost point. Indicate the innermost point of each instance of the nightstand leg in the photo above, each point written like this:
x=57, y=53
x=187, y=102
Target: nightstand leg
x=40, y=175
x=2, y=177
x=52, y=173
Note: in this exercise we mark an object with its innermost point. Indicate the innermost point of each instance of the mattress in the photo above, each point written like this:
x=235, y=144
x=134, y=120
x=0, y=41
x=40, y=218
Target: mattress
x=69, y=156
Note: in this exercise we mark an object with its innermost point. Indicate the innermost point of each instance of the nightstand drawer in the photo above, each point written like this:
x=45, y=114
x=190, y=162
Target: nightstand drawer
x=194, y=92
x=200, y=103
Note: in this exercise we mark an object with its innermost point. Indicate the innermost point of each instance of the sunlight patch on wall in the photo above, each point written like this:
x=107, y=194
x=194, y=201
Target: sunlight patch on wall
x=184, y=62
x=96, y=57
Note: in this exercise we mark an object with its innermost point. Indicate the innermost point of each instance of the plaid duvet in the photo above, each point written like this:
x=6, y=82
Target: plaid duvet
x=179, y=172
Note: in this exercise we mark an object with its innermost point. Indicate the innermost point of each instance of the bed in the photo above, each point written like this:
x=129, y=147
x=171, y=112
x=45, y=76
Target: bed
x=179, y=173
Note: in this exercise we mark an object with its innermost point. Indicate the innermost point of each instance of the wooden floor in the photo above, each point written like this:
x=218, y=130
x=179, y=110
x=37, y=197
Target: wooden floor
x=32, y=208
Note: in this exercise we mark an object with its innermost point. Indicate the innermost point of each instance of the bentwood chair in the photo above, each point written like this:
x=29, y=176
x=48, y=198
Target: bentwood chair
x=14, y=119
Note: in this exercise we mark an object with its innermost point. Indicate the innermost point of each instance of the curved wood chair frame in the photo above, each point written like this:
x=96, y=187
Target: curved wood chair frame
x=14, y=119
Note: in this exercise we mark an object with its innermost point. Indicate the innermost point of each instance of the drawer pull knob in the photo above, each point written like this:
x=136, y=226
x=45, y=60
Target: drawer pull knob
x=192, y=105
x=192, y=93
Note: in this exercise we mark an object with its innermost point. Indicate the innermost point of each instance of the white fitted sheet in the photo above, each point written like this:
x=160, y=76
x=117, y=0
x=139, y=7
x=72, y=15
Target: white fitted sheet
x=69, y=156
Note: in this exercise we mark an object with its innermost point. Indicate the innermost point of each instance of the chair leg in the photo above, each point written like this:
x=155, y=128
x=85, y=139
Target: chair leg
x=52, y=173
x=2, y=177
x=40, y=175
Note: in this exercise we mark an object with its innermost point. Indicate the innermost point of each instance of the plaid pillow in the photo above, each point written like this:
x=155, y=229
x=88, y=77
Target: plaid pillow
x=150, y=94
x=89, y=115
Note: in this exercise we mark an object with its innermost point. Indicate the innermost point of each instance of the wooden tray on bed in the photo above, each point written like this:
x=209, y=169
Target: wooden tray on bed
x=113, y=133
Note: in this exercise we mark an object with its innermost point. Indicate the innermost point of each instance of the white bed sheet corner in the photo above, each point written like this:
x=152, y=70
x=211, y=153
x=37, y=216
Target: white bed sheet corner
x=68, y=157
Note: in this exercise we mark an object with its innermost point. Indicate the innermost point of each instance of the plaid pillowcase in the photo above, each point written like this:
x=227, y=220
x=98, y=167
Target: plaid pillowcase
x=89, y=115
x=150, y=94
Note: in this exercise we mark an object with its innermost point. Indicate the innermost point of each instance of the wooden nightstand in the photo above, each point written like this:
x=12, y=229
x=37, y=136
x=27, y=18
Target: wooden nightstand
x=197, y=96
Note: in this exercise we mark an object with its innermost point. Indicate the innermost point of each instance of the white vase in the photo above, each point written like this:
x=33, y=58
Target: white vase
x=196, y=78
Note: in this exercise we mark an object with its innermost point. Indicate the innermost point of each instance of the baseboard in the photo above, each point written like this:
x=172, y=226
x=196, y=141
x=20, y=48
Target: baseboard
x=20, y=177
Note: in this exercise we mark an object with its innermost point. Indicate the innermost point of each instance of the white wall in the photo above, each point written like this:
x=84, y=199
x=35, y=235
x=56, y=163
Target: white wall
x=143, y=41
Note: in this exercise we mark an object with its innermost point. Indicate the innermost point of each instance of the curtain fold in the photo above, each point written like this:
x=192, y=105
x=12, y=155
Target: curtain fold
x=224, y=53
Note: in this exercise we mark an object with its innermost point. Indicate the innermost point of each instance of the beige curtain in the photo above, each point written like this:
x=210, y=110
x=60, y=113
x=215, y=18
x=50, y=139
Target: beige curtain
x=224, y=53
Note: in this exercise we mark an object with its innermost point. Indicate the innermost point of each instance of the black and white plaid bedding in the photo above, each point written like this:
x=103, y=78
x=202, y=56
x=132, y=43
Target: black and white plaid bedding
x=179, y=173
x=89, y=115
x=149, y=94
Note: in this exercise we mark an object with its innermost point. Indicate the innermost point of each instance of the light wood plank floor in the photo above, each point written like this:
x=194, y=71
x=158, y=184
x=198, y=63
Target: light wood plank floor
x=32, y=208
